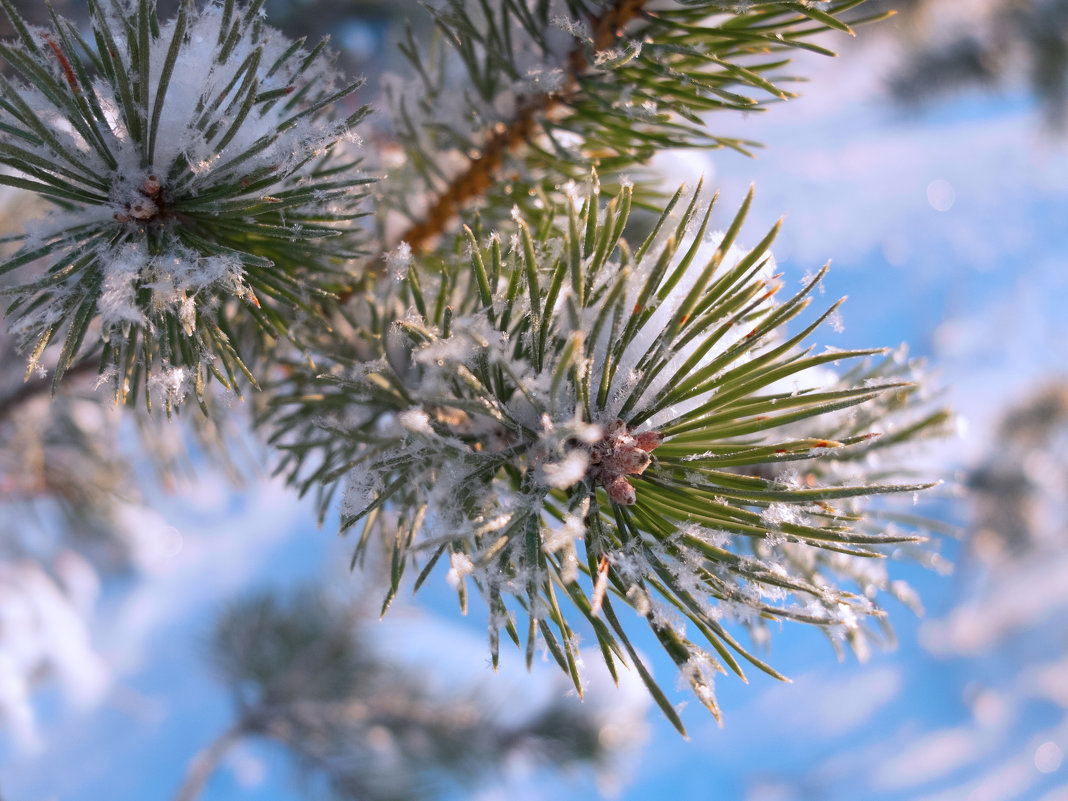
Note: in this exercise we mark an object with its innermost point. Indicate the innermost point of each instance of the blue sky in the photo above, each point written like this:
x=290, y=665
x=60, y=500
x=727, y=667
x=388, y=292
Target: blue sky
x=947, y=229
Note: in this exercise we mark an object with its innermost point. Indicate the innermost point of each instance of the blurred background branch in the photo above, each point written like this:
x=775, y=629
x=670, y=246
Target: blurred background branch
x=302, y=673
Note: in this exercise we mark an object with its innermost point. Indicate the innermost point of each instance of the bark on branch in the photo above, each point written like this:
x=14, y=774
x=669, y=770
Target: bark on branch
x=483, y=170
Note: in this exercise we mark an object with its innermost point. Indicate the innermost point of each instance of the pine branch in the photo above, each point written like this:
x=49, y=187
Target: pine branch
x=194, y=225
x=607, y=29
x=572, y=423
x=207, y=761
x=634, y=81
x=618, y=425
x=302, y=675
x=1020, y=41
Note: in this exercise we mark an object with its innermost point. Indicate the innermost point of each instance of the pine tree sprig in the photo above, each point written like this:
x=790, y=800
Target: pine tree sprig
x=573, y=417
x=633, y=81
x=189, y=207
x=303, y=673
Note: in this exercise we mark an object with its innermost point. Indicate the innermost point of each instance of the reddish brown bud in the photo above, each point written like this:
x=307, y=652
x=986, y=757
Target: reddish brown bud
x=618, y=454
x=648, y=441
x=143, y=209
x=620, y=491
x=631, y=461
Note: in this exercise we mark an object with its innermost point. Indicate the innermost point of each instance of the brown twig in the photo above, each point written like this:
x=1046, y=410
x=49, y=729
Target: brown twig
x=205, y=763
x=483, y=169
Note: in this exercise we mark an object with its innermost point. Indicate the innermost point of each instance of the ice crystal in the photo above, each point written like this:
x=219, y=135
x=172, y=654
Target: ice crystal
x=461, y=566
x=399, y=260
x=567, y=472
